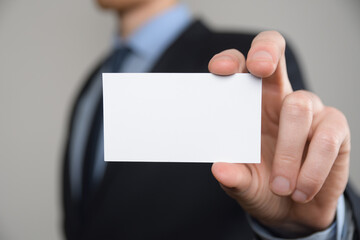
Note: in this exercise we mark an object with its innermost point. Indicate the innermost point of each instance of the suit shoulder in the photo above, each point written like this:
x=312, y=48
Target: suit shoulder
x=198, y=37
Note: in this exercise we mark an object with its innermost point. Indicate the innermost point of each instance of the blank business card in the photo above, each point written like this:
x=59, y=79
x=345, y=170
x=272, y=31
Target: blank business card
x=182, y=117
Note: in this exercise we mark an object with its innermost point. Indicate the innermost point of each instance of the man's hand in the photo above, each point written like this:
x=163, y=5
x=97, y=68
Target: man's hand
x=305, y=147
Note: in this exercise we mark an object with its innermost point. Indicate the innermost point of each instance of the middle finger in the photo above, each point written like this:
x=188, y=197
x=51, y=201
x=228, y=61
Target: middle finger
x=296, y=117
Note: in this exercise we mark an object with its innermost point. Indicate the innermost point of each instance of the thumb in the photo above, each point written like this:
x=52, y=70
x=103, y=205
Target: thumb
x=235, y=178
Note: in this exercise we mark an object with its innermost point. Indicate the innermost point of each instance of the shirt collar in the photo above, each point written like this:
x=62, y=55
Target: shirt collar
x=150, y=40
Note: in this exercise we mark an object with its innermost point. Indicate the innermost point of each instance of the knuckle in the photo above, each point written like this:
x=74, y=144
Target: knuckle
x=310, y=182
x=340, y=124
x=338, y=114
x=334, y=111
x=298, y=104
x=328, y=141
x=287, y=158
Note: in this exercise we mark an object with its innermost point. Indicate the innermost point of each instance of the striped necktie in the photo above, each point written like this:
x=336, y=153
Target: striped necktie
x=113, y=64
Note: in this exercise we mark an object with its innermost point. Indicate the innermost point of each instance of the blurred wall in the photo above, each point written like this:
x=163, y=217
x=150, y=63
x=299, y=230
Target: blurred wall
x=47, y=48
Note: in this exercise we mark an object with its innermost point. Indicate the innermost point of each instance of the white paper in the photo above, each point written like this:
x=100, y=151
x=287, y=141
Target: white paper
x=182, y=117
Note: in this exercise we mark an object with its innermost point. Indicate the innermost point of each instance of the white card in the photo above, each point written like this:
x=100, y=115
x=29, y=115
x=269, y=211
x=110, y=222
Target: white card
x=182, y=117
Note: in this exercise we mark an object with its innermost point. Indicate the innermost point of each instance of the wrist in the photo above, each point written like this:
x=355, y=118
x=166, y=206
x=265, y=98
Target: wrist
x=296, y=229
x=262, y=232
x=293, y=230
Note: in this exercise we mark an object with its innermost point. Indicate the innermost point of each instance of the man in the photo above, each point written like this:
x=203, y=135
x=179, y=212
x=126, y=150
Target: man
x=296, y=191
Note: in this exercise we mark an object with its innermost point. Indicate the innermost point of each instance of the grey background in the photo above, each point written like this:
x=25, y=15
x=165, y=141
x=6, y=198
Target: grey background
x=47, y=48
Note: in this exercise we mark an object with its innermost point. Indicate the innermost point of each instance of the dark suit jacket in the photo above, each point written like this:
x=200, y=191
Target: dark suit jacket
x=168, y=200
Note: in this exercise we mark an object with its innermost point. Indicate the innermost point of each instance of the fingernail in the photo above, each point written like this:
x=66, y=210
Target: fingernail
x=262, y=56
x=281, y=185
x=299, y=196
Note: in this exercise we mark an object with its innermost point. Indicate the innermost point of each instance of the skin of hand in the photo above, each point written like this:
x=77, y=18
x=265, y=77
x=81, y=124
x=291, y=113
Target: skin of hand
x=305, y=147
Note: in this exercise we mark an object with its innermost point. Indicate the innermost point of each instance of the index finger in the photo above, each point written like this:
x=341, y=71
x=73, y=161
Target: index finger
x=266, y=59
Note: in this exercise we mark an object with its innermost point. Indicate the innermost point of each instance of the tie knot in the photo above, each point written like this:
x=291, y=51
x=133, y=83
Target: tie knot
x=118, y=57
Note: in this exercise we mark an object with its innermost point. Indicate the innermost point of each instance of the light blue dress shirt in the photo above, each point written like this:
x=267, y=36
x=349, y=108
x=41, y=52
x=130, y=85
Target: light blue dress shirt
x=146, y=45
x=335, y=231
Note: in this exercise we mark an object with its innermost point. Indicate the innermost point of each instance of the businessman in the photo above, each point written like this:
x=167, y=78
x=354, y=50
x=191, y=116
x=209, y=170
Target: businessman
x=298, y=191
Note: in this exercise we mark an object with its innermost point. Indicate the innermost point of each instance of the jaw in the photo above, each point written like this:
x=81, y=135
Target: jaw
x=121, y=6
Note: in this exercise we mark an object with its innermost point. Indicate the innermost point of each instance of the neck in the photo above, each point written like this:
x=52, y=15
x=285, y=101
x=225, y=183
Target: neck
x=133, y=18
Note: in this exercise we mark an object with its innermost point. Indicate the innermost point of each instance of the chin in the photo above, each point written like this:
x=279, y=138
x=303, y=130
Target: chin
x=119, y=5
